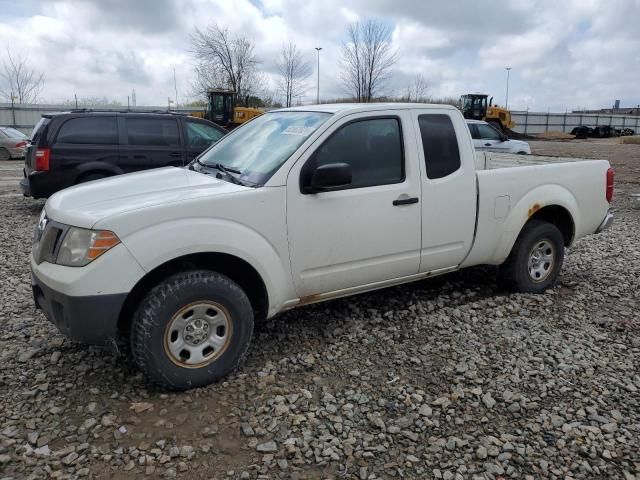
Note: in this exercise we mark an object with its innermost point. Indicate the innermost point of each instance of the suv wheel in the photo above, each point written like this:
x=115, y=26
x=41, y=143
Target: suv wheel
x=536, y=258
x=192, y=329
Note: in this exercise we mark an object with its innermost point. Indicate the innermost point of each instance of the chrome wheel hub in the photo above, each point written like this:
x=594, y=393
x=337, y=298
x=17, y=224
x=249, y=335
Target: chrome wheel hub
x=197, y=334
x=541, y=260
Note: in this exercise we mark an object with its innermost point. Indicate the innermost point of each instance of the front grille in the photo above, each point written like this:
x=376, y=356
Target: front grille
x=45, y=249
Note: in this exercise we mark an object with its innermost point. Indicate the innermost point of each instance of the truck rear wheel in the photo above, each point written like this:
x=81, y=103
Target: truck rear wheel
x=192, y=329
x=536, y=258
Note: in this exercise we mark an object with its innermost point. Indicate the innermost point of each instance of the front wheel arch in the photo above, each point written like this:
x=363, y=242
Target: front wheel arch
x=235, y=268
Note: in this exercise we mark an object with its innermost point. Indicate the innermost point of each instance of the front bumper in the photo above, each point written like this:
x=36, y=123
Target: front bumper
x=606, y=222
x=91, y=319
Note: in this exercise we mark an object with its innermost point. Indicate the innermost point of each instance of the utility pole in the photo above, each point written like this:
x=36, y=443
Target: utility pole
x=318, y=92
x=506, y=98
x=175, y=85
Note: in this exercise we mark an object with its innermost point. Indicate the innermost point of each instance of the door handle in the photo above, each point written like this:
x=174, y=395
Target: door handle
x=487, y=144
x=175, y=154
x=405, y=201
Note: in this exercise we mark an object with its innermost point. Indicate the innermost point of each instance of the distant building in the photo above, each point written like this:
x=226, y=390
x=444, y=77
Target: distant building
x=616, y=110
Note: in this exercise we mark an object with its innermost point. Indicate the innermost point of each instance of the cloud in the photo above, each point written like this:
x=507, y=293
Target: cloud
x=569, y=54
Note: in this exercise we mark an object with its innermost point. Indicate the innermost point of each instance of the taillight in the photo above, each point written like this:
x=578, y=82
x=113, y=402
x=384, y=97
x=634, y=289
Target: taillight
x=42, y=159
x=609, y=185
x=20, y=144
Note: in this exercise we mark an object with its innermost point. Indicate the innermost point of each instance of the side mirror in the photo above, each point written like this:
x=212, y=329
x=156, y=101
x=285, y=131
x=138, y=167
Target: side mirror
x=329, y=177
x=503, y=138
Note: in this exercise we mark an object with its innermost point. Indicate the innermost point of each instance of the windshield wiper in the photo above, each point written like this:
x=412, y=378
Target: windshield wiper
x=226, y=173
x=224, y=169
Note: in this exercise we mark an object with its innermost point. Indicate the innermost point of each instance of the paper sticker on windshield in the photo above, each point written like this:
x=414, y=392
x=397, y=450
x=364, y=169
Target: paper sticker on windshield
x=302, y=131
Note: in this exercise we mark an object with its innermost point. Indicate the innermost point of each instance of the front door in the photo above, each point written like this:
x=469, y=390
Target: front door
x=368, y=231
x=489, y=139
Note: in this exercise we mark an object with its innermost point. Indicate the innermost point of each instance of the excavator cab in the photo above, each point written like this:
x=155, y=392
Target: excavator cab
x=474, y=106
x=220, y=107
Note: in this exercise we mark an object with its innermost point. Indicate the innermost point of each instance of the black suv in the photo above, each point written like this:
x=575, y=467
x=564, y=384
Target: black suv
x=75, y=147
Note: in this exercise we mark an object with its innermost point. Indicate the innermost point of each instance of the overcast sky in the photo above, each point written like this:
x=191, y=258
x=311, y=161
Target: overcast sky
x=565, y=54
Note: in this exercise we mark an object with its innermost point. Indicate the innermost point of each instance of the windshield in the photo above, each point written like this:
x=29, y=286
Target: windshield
x=260, y=147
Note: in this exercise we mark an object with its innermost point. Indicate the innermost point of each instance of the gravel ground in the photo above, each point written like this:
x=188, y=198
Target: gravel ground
x=448, y=378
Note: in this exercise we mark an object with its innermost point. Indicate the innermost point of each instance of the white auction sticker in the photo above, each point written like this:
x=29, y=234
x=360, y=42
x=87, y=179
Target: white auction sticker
x=302, y=131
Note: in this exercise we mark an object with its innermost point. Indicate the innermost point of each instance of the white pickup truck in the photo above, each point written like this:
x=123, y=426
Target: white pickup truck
x=298, y=206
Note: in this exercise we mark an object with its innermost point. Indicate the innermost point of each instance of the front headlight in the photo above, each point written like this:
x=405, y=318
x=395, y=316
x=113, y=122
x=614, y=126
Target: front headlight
x=81, y=246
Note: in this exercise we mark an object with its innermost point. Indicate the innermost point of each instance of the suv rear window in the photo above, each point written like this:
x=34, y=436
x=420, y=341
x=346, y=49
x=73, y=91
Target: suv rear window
x=153, y=132
x=89, y=130
x=38, y=129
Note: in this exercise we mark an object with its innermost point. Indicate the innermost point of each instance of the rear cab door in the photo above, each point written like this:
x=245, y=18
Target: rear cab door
x=150, y=141
x=198, y=136
x=449, y=188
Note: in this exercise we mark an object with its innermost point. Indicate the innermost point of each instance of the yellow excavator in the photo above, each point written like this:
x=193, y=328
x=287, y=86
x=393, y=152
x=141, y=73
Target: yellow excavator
x=474, y=106
x=221, y=109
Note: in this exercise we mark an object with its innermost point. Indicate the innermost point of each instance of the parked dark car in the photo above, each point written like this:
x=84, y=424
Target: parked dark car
x=75, y=147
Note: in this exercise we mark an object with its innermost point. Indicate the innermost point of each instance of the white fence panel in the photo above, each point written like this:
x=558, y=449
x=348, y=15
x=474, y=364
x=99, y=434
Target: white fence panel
x=540, y=122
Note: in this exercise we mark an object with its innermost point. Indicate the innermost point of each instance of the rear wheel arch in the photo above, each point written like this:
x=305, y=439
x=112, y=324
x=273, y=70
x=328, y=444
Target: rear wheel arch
x=236, y=269
x=560, y=218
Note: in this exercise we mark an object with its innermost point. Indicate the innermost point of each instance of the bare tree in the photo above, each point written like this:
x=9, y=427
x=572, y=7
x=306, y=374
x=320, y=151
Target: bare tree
x=367, y=59
x=19, y=80
x=293, y=71
x=417, y=91
x=224, y=60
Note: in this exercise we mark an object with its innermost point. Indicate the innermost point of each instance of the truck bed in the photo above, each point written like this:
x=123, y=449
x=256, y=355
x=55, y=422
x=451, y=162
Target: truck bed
x=508, y=197
x=494, y=160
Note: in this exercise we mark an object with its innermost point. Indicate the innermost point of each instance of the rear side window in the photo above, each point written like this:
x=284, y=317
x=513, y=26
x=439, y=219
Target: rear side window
x=440, y=144
x=89, y=130
x=373, y=148
x=153, y=132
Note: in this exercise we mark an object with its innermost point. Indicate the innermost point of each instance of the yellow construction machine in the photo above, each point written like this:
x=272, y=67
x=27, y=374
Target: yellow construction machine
x=221, y=109
x=474, y=106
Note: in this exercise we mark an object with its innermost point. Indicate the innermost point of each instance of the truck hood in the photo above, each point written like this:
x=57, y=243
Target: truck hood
x=85, y=204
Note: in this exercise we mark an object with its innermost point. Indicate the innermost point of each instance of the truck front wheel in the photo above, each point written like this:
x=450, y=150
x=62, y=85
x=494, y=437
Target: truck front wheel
x=192, y=329
x=536, y=258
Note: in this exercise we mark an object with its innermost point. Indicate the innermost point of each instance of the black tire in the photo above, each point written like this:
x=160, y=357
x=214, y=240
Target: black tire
x=152, y=334
x=515, y=271
x=90, y=177
x=4, y=154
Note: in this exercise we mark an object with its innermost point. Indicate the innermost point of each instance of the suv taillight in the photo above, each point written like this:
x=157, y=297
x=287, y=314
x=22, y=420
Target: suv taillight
x=42, y=159
x=609, y=191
